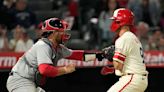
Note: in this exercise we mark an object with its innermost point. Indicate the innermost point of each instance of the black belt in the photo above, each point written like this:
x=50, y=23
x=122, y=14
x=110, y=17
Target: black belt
x=138, y=74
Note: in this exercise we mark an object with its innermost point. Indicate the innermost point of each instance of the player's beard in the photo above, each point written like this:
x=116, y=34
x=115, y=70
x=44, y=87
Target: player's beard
x=59, y=39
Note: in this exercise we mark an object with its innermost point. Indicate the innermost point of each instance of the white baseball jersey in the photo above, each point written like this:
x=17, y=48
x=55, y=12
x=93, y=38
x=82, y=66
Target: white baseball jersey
x=129, y=52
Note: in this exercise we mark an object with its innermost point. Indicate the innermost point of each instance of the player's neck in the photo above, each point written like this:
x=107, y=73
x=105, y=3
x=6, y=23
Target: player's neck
x=123, y=30
x=52, y=39
x=53, y=43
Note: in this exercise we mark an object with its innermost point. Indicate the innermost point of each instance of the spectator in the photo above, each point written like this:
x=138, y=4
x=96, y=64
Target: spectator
x=161, y=22
x=154, y=39
x=6, y=18
x=70, y=13
x=161, y=43
x=134, y=6
x=123, y=3
x=22, y=15
x=24, y=43
x=105, y=22
x=146, y=10
x=38, y=32
x=143, y=34
x=8, y=4
x=4, y=46
x=99, y=7
x=59, y=4
x=17, y=32
x=74, y=12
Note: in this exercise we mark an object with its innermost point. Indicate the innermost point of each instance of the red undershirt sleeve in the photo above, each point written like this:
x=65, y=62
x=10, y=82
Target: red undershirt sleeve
x=76, y=55
x=48, y=70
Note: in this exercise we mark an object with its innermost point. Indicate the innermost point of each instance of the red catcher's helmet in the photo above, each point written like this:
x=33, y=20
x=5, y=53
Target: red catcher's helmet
x=121, y=17
x=56, y=24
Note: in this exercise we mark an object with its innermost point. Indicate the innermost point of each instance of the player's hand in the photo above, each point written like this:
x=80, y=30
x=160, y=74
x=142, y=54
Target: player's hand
x=70, y=68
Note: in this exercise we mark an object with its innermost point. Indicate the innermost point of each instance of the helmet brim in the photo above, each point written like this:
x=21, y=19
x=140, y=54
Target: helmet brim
x=112, y=18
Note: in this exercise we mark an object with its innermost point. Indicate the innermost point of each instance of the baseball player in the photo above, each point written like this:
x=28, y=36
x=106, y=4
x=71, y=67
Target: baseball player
x=41, y=60
x=128, y=58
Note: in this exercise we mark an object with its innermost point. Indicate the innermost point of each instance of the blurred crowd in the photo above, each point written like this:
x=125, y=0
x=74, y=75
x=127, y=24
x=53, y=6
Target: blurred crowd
x=21, y=20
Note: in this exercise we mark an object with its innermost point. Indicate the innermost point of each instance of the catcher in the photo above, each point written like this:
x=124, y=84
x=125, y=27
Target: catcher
x=40, y=61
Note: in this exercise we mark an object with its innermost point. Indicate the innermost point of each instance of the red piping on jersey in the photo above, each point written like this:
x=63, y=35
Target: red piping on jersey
x=126, y=84
x=119, y=57
x=76, y=55
x=48, y=70
x=120, y=54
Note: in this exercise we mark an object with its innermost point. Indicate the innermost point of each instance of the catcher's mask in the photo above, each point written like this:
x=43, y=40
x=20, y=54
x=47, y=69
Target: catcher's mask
x=58, y=25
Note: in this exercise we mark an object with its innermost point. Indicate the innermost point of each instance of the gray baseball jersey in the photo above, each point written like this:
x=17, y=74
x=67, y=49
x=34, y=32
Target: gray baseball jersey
x=41, y=52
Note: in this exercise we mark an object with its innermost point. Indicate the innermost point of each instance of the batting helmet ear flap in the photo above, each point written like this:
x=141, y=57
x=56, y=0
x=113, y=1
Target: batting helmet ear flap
x=115, y=26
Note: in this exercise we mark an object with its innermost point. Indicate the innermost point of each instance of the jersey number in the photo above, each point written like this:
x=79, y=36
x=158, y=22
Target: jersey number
x=142, y=53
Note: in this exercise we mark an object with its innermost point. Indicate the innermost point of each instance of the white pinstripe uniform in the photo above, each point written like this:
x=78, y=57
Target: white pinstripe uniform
x=134, y=74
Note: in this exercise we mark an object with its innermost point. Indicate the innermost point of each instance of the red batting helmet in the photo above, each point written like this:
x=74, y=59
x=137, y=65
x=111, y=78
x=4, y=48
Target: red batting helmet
x=56, y=24
x=122, y=17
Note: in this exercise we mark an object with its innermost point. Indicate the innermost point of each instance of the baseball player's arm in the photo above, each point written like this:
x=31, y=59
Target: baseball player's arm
x=72, y=54
x=51, y=71
x=76, y=55
x=84, y=55
x=45, y=66
x=117, y=65
x=120, y=55
x=118, y=62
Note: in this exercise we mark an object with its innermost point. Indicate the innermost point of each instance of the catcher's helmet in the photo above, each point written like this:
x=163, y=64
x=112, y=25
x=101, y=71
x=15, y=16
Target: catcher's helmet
x=120, y=18
x=56, y=24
